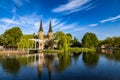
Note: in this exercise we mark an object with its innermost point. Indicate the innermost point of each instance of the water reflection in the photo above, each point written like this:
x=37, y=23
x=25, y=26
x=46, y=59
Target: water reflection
x=64, y=62
x=48, y=66
x=11, y=65
x=76, y=55
x=90, y=59
x=114, y=56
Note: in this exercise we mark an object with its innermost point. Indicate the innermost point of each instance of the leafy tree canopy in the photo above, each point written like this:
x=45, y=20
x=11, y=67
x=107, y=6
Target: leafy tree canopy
x=12, y=36
x=89, y=40
x=111, y=41
x=75, y=43
x=63, y=40
x=1, y=40
x=25, y=42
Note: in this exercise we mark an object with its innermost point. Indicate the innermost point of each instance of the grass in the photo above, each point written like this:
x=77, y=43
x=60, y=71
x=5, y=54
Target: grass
x=71, y=50
x=81, y=49
x=52, y=51
x=62, y=51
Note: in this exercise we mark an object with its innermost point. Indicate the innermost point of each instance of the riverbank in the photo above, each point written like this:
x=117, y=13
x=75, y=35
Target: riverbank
x=21, y=52
x=81, y=49
x=12, y=52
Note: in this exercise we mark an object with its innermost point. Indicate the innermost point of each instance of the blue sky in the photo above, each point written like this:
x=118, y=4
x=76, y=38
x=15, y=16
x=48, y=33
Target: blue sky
x=77, y=17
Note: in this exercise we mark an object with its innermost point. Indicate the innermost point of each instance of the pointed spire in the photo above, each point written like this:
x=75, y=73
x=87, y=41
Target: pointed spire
x=40, y=29
x=50, y=27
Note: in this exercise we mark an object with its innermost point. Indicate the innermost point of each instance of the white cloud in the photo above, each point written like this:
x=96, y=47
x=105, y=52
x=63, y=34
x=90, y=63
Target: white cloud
x=79, y=29
x=26, y=23
x=92, y=25
x=30, y=23
x=72, y=6
x=59, y=25
x=110, y=19
x=66, y=27
x=8, y=21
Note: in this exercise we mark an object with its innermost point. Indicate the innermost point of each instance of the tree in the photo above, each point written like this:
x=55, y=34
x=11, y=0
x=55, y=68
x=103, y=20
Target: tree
x=58, y=35
x=89, y=40
x=75, y=43
x=12, y=36
x=1, y=40
x=25, y=42
x=116, y=41
x=111, y=42
x=69, y=38
x=63, y=40
x=65, y=43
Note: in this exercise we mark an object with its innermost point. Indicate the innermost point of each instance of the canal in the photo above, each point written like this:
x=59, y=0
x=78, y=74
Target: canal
x=100, y=65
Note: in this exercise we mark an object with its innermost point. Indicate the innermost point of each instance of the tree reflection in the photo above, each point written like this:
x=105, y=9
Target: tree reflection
x=115, y=56
x=90, y=59
x=76, y=55
x=64, y=62
x=11, y=65
x=109, y=56
x=26, y=60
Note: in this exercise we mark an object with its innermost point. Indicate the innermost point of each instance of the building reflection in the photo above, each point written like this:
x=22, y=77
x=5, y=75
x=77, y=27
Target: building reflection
x=107, y=51
x=59, y=62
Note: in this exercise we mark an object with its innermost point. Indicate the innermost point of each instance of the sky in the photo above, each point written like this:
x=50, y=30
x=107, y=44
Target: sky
x=76, y=17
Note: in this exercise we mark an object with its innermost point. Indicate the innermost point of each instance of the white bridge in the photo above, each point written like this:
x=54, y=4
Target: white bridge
x=39, y=41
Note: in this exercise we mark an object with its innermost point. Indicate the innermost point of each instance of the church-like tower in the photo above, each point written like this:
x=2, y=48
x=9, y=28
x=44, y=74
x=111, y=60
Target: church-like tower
x=41, y=33
x=50, y=33
x=41, y=36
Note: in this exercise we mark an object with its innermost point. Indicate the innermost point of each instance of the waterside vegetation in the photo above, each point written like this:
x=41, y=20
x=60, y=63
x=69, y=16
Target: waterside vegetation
x=14, y=39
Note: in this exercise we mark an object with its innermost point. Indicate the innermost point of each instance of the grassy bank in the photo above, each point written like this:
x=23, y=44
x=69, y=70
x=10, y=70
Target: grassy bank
x=81, y=49
x=3, y=52
x=70, y=50
x=12, y=52
x=52, y=51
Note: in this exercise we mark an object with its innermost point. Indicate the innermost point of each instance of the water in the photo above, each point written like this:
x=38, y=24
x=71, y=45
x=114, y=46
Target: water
x=72, y=66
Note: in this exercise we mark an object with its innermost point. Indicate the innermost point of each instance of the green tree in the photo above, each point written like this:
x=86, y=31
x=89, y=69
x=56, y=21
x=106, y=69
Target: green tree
x=111, y=42
x=89, y=40
x=1, y=40
x=69, y=38
x=63, y=40
x=58, y=35
x=116, y=41
x=25, y=42
x=75, y=43
x=12, y=36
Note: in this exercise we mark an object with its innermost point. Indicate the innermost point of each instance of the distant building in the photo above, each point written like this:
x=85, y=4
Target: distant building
x=44, y=37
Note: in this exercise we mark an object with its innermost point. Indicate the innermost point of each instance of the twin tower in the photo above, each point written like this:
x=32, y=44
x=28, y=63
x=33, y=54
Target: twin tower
x=42, y=36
